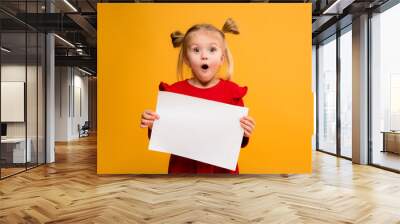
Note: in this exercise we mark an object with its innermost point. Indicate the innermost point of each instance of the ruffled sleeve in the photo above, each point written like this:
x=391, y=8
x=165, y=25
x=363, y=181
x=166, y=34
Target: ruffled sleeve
x=238, y=94
x=164, y=87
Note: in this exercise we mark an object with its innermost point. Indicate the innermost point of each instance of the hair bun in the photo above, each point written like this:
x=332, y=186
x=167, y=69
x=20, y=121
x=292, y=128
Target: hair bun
x=230, y=27
x=177, y=38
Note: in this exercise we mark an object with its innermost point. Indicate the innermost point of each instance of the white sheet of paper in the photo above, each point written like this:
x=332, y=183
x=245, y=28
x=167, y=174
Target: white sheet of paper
x=199, y=129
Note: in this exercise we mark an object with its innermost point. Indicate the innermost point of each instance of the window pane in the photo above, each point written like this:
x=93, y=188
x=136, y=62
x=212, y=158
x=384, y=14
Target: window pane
x=327, y=96
x=31, y=101
x=386, y=88
x=346, y=93
x=14, y=149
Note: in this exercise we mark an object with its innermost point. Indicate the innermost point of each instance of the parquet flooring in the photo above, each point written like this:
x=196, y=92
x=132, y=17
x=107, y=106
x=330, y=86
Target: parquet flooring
x=10, y=171
x=70, y=191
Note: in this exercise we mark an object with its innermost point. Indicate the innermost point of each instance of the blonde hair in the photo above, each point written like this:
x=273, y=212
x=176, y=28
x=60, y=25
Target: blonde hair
x=180, y=39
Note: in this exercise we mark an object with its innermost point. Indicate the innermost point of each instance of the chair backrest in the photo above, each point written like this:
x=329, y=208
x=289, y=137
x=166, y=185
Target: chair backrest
x=86, y=125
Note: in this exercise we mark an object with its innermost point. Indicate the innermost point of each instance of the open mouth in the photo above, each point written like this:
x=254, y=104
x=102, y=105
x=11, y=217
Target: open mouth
x=204, y=66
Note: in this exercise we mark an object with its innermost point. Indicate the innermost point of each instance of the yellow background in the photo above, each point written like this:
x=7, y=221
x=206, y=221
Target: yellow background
x=272, y=57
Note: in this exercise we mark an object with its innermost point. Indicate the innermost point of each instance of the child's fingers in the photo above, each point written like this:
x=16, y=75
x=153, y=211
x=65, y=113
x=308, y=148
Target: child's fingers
x=244, y=125
x=147, y=116
x=247, y=128
x=155, y=115
x=151, y=113
x=146, y=123
x=247, y=123
x=150, y=116
x=143, y=124
x=247, y=131
x=249, y=120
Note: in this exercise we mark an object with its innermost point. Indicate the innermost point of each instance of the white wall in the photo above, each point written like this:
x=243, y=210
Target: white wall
x=61, y=103
x=13, y=73
x=71, y=93
x=81, y=84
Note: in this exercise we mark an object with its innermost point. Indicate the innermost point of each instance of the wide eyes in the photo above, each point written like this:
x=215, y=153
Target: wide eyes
x=211, y=49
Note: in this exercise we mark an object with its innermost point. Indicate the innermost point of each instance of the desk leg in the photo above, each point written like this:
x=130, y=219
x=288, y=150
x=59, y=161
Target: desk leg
x=384, y=142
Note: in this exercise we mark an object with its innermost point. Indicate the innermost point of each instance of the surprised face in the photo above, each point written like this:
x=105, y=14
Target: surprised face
x=205, y=54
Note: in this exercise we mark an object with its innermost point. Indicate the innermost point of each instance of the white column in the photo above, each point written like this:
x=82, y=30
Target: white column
x=50, y=100
x=360, y=90
x=50, y=92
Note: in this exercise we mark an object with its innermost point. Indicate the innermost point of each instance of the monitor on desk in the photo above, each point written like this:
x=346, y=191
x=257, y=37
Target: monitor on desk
x=3, y=130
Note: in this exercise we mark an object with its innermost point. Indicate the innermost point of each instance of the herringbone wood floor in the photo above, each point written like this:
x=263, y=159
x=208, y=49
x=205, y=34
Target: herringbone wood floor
x=70, y=191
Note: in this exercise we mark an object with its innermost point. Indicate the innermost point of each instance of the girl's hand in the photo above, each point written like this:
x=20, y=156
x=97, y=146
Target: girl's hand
x=148, y=118
x=248, y=124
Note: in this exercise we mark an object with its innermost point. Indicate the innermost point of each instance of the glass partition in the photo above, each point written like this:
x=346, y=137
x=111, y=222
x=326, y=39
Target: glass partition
x=385, y=89
x=346, y=93
x=22, y=77
x=327, y=95
x=13, y=103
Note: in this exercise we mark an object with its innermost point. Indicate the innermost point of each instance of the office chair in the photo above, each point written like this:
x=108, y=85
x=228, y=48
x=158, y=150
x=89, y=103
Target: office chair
x=84, y=130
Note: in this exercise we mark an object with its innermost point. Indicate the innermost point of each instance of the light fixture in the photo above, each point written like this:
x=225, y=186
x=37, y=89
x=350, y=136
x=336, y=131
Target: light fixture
x=84, y=71
x=5, y=50
x=337, y=7
x=64, y=40
x=80, y=51
x=70, y=5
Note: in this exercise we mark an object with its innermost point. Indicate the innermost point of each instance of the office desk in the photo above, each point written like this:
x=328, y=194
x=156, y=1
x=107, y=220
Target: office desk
x=13, y=150
x=391, y=141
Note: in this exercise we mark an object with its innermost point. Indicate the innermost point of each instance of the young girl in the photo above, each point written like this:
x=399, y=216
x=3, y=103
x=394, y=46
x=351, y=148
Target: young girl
x=204, y=50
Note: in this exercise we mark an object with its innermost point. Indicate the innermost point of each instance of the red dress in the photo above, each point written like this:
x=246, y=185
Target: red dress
x=224, y=91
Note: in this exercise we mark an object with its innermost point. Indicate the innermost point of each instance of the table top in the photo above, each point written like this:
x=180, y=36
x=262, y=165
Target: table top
x=391, y=132
x=13, y=140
